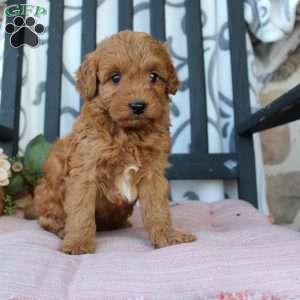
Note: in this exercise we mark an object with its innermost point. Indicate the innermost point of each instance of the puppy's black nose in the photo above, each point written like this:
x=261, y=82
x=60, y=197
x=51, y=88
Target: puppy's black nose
x=137, y=107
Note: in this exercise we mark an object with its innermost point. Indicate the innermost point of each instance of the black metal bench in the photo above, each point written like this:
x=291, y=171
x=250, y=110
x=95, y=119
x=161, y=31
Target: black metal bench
x=199, y=164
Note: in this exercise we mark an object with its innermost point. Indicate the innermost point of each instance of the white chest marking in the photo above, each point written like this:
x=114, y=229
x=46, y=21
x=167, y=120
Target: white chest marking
x=125, y=185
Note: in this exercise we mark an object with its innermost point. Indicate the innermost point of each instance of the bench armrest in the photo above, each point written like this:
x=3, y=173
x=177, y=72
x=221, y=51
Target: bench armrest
x=283, y=110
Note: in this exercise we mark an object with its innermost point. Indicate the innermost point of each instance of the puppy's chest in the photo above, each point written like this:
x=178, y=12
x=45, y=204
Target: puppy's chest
x=121, y=175
x=126, y=183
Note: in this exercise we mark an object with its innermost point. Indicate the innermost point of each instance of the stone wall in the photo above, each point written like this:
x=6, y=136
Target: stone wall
x=281, y=148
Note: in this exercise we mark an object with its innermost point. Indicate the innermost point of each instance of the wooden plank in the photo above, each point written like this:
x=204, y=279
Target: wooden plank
x=6, y=134
x=283, y=110
x=157, y=19
x=198, y=166
x=11, y=92
x=125, y=15
x=199, y=135
x=89, y=30
x=89, y=22
x=241, y=101
x=54, y=71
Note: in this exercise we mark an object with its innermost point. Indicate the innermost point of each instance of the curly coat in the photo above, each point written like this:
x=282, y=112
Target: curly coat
x=112, y=157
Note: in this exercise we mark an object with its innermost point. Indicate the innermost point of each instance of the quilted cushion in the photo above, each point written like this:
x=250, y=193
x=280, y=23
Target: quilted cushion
x=237, y=250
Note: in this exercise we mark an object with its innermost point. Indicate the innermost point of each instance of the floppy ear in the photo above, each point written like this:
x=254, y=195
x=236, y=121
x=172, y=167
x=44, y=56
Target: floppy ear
x=86, y=75
x=173, y=82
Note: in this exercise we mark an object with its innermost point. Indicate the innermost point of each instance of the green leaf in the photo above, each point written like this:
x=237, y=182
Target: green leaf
x=9, y=206
x=34, y=157
x=17, y=184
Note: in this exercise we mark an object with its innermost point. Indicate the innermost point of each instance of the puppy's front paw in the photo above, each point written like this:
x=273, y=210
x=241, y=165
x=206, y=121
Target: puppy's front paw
x=163, y=238
x=78, y=247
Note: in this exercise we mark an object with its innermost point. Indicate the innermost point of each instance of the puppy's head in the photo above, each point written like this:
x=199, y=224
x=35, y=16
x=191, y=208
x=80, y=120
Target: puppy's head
x=131, y=76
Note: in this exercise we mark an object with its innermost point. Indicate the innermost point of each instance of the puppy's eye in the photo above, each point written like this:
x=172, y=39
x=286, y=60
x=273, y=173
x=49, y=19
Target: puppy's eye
x=116, y=77
x=153, y=77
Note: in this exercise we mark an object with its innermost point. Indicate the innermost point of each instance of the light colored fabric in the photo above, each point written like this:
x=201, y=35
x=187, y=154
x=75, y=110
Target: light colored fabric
x=271, y=20
x=237, y=250
x=275, y=23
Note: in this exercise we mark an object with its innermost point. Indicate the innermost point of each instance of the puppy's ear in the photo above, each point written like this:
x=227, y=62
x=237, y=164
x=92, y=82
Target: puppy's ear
x=172, y=81
x=86, y=75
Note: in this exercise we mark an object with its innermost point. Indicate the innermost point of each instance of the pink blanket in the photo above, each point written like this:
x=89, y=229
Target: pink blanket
x=238, y=253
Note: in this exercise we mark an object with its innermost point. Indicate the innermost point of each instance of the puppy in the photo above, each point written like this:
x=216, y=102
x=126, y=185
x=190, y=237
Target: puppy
x=117, y=151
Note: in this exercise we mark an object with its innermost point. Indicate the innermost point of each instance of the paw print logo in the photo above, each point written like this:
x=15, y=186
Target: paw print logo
x=24, y=31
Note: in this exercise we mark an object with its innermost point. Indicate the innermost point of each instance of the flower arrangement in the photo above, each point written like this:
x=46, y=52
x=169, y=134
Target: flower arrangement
x=19, y=175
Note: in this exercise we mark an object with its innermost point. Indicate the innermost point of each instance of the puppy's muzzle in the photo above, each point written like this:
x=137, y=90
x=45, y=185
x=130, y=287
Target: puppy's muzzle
x=137, y=107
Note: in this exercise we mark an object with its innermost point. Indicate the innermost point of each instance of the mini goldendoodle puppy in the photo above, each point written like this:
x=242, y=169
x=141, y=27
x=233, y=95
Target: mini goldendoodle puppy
x=117, y=151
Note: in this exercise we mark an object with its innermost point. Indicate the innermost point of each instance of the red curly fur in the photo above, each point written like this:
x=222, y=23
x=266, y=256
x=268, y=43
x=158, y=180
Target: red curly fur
x=84, y=175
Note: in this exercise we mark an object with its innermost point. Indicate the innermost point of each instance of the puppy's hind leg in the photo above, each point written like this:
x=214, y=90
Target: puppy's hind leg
x=49, y=208
x=79, y=205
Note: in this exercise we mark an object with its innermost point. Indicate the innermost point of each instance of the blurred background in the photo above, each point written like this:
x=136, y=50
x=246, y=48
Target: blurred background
x=273, y=49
